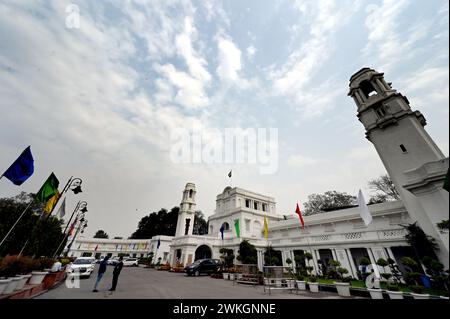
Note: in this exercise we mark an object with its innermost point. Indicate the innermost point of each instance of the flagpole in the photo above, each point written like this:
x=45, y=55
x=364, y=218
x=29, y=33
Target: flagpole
x=62, y=193
x=18, y=219
x=21, y=251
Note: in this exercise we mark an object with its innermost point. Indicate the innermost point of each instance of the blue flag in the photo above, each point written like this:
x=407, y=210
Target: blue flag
x=222, y=229
x=159, y=243
x=22, y=168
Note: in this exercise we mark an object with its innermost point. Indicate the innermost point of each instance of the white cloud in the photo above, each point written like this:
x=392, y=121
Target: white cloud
x=251, y=50
x=190, y=91
x=389, y=42
x=300, y=161
x=324, y=18
x=196, y=64
x=229, y=60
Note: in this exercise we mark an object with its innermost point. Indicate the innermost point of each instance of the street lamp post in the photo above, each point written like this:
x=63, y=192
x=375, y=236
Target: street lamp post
x=81, y=207
x=83, y=224
x=75, y=186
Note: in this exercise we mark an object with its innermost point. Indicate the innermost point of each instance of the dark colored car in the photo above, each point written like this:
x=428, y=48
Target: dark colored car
x=203, y=266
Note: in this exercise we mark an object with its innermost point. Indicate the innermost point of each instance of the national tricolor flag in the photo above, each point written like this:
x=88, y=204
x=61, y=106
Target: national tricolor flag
x=299, y=213
x=72, y=227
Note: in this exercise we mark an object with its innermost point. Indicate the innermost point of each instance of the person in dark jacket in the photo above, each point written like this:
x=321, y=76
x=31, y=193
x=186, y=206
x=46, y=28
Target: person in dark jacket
x=116, y=273
x=101, y=272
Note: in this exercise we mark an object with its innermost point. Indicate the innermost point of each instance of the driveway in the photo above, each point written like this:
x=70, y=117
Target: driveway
x=148, y=283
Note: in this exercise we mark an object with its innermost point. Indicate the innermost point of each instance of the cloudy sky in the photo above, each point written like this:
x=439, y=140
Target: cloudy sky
x=101, y=99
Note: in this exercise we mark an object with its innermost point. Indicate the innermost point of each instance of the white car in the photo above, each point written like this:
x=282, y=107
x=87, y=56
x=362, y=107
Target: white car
x=130, y=262
x=82, y=266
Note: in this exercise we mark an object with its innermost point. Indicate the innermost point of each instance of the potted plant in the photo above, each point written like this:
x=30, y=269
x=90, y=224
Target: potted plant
x=8, y=271
x=4, y=282
x=24, y=267
x=308, y=257
x=301, y=283
x=226, y=275
x=343, y=288
x=291, y=280
x=38, y=273
x=394, y=292
x=417, y=292
x=313, y=284
x=375, y=293
x=260, y=276
x=363, y=263
x=231, y=274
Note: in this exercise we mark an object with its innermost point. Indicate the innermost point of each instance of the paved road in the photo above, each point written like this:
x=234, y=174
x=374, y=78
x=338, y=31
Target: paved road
x=145, y=283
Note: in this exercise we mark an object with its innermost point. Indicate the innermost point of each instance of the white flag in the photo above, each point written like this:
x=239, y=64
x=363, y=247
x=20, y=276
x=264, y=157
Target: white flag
x=62, y=209
x=363, y=209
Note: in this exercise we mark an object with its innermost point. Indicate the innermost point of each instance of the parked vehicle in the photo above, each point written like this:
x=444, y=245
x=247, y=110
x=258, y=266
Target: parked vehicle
x=82, y=266
x=113, y=261
x=202, y=266
x=130, y=262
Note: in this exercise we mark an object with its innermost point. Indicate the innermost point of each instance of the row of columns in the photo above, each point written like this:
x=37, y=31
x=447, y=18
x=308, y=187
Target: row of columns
x=346, y=260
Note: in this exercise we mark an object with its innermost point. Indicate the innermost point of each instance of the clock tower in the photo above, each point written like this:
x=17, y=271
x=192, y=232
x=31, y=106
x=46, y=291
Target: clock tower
x=414, y=162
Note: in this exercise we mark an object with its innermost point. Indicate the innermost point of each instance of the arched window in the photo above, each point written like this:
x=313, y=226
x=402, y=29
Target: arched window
x=226, y=226
x=191, y=192
x=367, y=88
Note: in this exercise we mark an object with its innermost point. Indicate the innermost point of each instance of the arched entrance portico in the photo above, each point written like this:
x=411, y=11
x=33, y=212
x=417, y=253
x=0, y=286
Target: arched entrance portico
x=203, y=252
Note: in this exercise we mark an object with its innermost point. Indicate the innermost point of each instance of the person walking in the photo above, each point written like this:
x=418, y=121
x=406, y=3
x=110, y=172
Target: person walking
x=116, y=273
x=101, y=272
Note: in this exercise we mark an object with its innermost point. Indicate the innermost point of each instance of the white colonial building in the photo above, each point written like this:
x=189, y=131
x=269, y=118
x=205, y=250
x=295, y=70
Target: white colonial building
x=339, y=235
x=412, y=159
x=137, y=248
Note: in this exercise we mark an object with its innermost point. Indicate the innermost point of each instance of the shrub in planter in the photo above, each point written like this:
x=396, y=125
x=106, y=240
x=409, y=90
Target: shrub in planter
x=343, y=288
x=417, y=292
x=312, y=279
x=347, y=279
x=46, y=263
x=301, y=283
x=313, y=284
x=394, y=292
x=386, y=276
x=8, y=267
x=15, y=265
x=417, y=289
x=38, y=273
x=375, y=293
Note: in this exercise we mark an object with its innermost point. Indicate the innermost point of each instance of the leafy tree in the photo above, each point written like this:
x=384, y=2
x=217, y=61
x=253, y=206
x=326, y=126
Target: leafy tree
x=395, y=270
x=101, y=234
x=38, y=236
x=443, y=226
x=422, y=244
x=300, y=264
x=247, y=253
x=272, y=257
x=384, y=188
x=164, y=222
x=157, y=223
x=200, y=224
x=364, y=261
x=319, y=203
x=227, y=257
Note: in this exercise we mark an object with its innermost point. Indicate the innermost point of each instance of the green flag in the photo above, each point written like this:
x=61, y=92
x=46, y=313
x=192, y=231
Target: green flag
x=49, y=189
x=236, y=226
x=446, y=182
